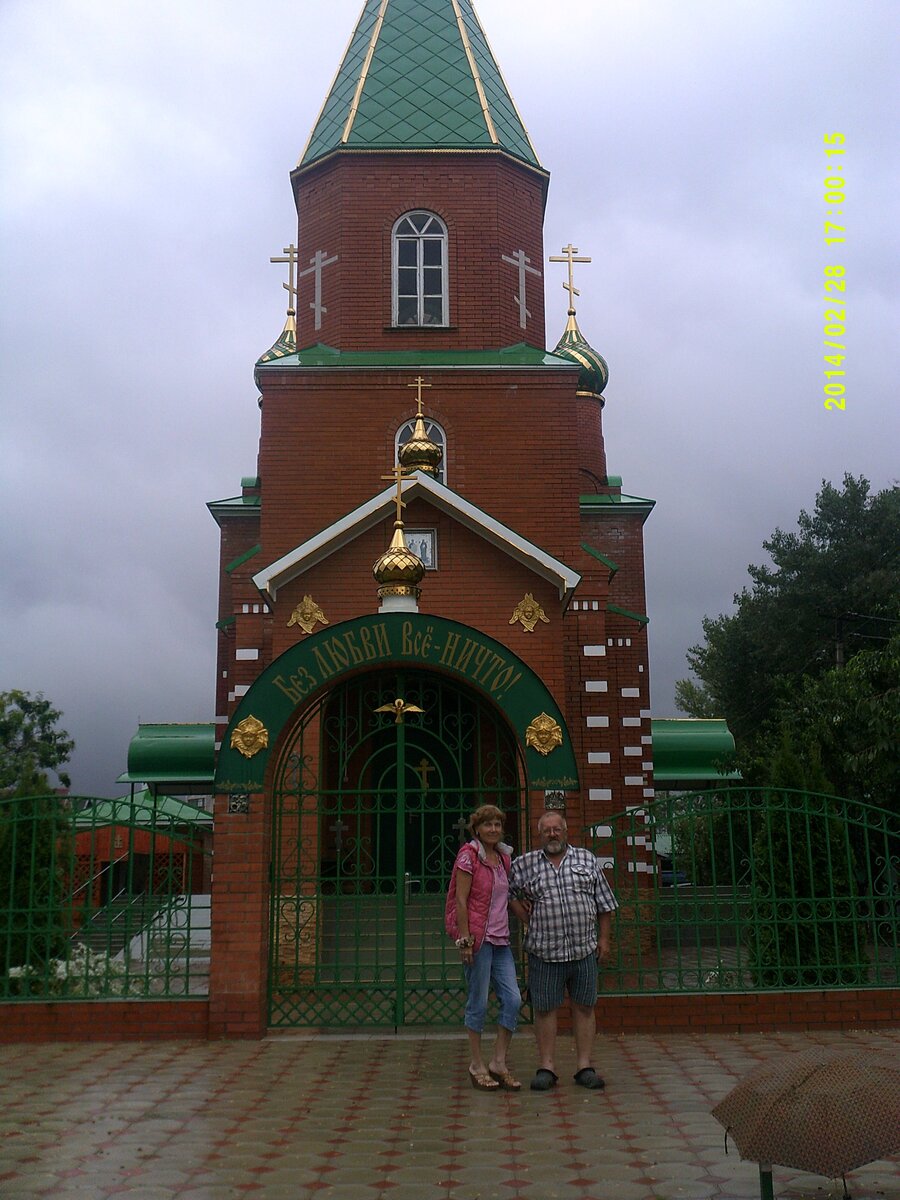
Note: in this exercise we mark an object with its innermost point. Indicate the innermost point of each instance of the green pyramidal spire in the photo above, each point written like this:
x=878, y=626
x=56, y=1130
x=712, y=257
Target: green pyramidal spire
x=419, y=75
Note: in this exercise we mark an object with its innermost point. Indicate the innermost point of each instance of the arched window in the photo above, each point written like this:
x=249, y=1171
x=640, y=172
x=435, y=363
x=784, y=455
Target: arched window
x=419, y=254
x=437, y=435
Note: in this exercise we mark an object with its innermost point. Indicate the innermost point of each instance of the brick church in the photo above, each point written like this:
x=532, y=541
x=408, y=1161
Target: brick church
x=431, y=590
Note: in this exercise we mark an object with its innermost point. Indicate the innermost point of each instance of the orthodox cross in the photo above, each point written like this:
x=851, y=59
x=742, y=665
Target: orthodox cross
x=462, y=827
x=423, y=770
x=568, y=256
x=419, y=384
x=398, y=474
x=318, y=262
x=337, y=829
x=290, y=287
x=521, y=260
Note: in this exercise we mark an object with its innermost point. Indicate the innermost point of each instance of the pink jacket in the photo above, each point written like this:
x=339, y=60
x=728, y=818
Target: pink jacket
x=472, y=858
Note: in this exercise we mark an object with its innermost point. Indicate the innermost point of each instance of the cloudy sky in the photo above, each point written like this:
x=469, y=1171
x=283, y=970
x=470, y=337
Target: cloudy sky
x=144, y=185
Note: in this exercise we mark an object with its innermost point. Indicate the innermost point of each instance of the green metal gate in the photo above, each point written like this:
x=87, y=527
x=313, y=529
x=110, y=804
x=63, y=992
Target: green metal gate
x=370, y=806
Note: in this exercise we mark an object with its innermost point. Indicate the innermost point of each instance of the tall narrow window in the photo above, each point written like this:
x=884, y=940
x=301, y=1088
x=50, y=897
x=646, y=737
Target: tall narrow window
x=420, y=270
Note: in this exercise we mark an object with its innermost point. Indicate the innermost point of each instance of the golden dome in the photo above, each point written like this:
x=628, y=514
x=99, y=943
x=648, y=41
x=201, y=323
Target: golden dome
x=420, y=453
x=398, y=571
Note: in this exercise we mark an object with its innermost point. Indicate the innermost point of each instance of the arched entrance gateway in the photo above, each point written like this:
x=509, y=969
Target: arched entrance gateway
x=408, y=723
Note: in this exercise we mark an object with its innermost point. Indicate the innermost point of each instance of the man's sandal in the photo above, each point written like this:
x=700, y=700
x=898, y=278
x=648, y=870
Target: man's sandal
x=588, y=1078
x=482, y=1081
x=506, y=1080
x=544, y=1080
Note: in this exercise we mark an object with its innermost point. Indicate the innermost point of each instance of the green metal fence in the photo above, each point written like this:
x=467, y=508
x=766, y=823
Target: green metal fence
x=752, y=889
x=103, y=898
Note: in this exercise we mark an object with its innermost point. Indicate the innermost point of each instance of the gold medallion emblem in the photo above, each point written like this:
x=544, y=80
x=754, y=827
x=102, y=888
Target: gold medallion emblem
x=306, y=614
x=249, y=737
x=529, y=612
x=544, y=734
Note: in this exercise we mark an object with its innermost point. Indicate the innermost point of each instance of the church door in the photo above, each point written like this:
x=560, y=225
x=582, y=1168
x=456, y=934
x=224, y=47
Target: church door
x=370, y=805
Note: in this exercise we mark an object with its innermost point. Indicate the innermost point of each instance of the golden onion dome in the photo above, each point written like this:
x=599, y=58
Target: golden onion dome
x=398, y=569
x=420, y=453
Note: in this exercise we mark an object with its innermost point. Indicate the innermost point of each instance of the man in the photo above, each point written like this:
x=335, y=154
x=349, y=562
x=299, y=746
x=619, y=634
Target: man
x=563, y=897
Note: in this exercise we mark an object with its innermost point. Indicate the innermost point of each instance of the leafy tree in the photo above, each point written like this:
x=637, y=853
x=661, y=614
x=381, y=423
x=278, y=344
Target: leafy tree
x=35, y=845
x=838, y=574
x=30, y=742
x=804, y=931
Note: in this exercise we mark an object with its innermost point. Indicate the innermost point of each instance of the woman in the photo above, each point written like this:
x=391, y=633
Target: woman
x=477, y=919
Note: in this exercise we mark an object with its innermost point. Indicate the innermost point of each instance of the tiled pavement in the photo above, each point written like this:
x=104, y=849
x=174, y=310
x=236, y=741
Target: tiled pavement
x=380, y=1118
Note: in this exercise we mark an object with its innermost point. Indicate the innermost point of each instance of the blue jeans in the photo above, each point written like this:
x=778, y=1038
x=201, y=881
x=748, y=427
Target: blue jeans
x=492, y=964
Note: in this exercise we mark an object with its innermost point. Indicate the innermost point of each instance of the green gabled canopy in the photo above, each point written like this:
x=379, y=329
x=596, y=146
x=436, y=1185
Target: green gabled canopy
x=419, y=75
x=141, y=809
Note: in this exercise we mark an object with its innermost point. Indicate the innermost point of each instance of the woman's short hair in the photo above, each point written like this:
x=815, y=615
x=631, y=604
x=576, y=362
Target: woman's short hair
x=487, y=812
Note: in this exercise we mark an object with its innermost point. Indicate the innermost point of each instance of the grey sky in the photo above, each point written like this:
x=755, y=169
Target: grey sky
x=144, y=185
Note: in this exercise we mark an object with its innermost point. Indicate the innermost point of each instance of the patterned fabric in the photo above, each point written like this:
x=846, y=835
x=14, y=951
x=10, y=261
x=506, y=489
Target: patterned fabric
x=566, y=902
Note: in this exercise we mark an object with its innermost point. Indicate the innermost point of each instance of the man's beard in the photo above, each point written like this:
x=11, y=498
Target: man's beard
x=556, y=845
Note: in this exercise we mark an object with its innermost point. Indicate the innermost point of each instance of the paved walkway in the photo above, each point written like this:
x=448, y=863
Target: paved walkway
x=375, y=1118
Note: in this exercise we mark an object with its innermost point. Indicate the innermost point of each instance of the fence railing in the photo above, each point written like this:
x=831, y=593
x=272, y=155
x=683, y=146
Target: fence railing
x=752, y=889
x=102, y=899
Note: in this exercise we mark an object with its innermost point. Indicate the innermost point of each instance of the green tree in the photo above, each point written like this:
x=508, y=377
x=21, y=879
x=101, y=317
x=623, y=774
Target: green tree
x=839, y=574
x=804, y=931
x=35, y=844
x=30, y=742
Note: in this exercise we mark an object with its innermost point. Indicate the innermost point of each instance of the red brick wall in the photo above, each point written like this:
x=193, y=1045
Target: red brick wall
x=105, y=1021
x=491, y=207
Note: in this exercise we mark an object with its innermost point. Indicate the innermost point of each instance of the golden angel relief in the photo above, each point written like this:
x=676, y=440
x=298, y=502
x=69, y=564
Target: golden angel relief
x=544, y=734
x=529, y=612
x=307, y=614
x=249, y=737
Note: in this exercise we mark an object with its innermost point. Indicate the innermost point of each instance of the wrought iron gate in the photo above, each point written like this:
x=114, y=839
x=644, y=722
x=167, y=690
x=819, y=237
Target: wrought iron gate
x=370, y=805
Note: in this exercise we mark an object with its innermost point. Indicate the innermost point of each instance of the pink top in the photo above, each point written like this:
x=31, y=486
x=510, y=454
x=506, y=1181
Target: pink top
x=497, y=930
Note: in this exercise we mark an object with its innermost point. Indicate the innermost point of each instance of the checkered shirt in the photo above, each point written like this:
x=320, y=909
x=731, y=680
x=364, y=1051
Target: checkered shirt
x=566, y=902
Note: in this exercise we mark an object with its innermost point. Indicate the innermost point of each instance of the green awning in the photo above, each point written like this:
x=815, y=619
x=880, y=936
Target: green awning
x=687, y=750
x=172, y=754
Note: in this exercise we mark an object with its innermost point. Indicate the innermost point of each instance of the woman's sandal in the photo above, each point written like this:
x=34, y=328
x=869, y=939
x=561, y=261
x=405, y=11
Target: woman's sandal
x=482, y=1081
x=506, y=1080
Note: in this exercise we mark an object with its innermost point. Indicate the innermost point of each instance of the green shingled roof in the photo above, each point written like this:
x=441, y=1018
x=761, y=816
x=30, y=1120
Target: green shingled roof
x=419, y=74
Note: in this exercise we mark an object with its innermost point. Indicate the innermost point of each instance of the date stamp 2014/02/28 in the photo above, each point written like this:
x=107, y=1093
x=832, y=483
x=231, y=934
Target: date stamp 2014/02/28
x=835, y=275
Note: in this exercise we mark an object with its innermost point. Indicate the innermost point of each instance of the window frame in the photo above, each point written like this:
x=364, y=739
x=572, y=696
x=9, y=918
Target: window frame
x=419, y=238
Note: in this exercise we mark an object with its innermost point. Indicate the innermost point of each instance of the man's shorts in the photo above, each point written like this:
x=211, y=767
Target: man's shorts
x=549, y=981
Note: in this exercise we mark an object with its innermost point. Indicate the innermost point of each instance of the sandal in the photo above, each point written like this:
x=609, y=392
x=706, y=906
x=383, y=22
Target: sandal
x=482, y=1081
x=544, y=1080
x=588, y=1078
x=506, y=1080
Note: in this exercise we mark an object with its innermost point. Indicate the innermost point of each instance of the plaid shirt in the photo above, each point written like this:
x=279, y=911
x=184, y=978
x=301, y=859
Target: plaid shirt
x=566, y=902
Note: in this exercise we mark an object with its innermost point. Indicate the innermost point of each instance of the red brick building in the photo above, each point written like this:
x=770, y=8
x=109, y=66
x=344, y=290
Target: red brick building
x=501, y=653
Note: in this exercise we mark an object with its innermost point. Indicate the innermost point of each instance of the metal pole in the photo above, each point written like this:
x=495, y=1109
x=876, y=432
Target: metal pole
x=766, y=1191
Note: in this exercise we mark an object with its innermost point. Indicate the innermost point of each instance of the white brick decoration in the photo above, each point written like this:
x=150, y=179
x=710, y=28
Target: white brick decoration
x=633, y=751
x=634, y=780
x=600, y=794
x=649, y=793
x=631, y=722
x=246, y=655
x=645, y=712
x=596, y=685
x=241, y=689
x=647, y=740
x=594, y=651
x=598, y=756
x=631, y=693
x=597, y=722
x=646, y=766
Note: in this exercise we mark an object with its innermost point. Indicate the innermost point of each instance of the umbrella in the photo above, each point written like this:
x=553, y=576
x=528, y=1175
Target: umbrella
x=824, y=1110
